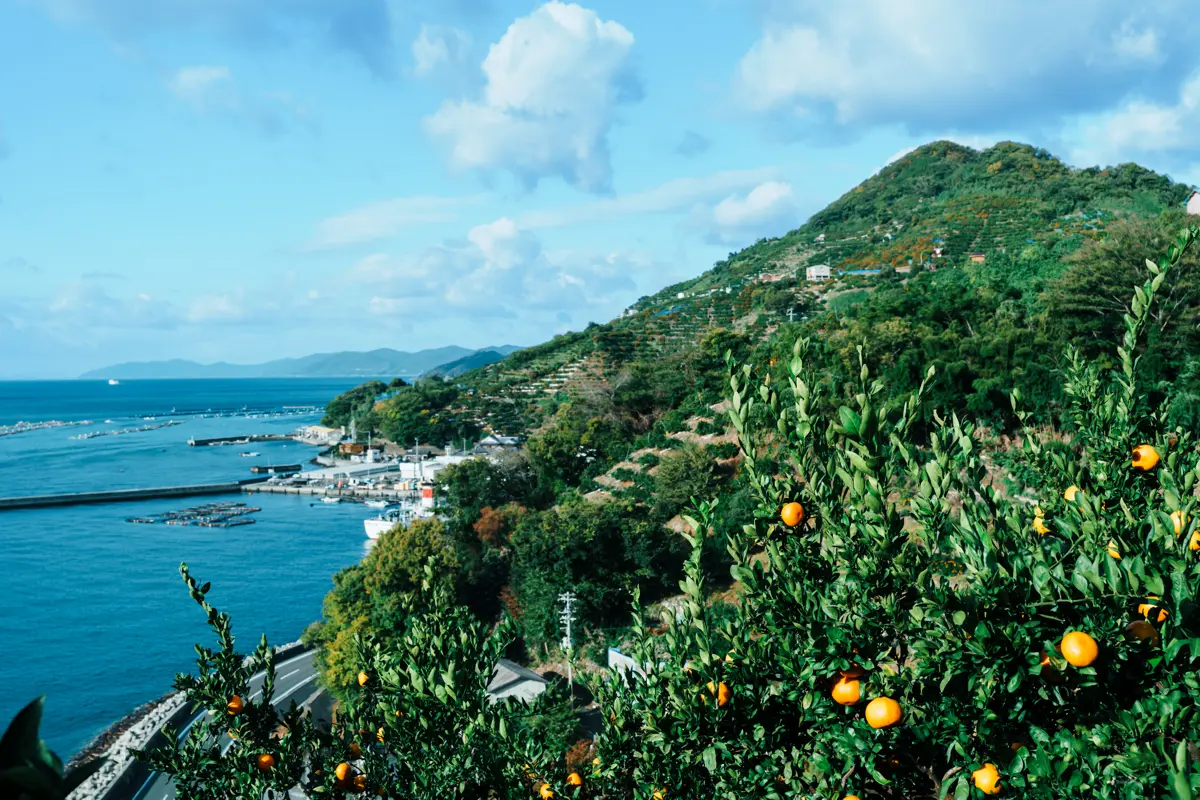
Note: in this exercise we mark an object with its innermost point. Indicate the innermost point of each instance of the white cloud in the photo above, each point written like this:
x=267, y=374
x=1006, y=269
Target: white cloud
x=499, y=270
x=218, y=307
x=1138, y=127
x=85, y=307
x=975, y=142
x=680, y=194
x=383, y=220
x=197, y=85
x=211, y=90
x=930, y=65
x=768, y=209
x=436, y=46
x=552, y=85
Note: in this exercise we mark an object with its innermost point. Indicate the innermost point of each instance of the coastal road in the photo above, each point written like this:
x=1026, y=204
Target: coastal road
x=295, y=679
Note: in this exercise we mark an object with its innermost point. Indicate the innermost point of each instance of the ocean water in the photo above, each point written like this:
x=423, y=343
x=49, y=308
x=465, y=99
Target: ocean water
x=93, y=612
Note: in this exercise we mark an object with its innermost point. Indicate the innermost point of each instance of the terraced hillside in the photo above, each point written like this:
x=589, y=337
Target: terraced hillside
x=942, y=205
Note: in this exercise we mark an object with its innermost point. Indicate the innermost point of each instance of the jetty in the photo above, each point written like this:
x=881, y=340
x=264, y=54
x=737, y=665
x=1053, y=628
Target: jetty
x=275, y=470
x=125, y=495
x=258, y=437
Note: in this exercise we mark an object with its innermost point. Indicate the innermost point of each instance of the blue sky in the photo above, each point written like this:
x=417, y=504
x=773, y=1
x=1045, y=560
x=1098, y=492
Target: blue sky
x=227, y=180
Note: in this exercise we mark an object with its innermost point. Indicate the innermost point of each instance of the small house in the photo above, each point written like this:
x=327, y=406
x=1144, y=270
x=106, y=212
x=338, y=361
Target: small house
x=513, y=680
x=976, y=258
x=820, y=238
x=817, y=273
x=1193, y=203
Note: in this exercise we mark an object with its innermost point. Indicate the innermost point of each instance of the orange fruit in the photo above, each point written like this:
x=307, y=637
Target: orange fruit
x=1145, y=457
x=360, y=783
x=987, y=779
x=1039, y=521
x=1179, y=521
x=355, y=749
x=235, y=705
x=854, y=671
x=379, y=734
x=341, y=771
x=1112, y=549
x=847, y=691
x=659, y=794
x=233, y=734
x=265, y=762
x=1079, y=649
x=792, y=514
x=546, y=792
x=850, y=797
x=1147, y=610
x=1069, y=494
x=722, y=691
x=882, y=712
x=1049, y=673
x=363, y=678
x=575, y=779
x=1194, y=543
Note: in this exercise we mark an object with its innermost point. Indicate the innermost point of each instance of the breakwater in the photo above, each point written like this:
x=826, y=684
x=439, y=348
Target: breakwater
x=122, y=495
x=258, y=437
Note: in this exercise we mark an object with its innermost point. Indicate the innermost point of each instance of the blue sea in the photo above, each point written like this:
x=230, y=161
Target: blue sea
x=93, y=613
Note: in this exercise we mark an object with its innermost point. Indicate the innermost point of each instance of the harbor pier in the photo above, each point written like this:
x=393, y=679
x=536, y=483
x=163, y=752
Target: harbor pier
x=124, y=495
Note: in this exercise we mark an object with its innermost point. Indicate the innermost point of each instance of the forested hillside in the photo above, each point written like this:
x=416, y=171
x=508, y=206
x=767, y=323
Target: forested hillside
x=979, y=264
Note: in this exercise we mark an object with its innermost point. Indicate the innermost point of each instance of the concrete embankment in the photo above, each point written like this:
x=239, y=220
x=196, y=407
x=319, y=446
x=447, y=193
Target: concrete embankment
x=123, y=495
x=122, y=775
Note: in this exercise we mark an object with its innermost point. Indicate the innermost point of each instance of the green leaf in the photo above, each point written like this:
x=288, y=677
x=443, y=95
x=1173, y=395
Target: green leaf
x=20, y=740
x=710, y=759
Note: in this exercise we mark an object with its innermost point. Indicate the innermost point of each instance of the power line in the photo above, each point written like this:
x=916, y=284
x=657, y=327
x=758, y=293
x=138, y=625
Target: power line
x=567, y=617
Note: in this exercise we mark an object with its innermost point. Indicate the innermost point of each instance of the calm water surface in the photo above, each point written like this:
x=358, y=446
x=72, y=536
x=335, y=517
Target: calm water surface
x=93, y=612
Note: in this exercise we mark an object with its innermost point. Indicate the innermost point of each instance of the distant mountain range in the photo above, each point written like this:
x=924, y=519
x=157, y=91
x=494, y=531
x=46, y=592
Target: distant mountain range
x=460, y=366
x=382, y=363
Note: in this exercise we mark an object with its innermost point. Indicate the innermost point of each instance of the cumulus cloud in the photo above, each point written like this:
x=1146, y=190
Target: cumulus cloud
x=768, y=209
x=211, y=90
x=1138, y=127
x=553, y=83
x=383, y=220
x=362, y=28
x=680, y=194
x=498, y=270
x=86, y=306
x=930, y=65
x=437, y=46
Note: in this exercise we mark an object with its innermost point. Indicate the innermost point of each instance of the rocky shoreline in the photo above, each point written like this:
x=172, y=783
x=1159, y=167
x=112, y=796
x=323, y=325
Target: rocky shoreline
x=109, y=736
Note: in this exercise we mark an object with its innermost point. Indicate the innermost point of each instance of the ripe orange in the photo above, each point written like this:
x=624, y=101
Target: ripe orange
x=234, y=706
x=1145, y=457
x=363, y=678
x=854, y=671
x=546, y=792
x=341, y=771
x=659, y=794
x=1194, y=543
x=1049, y=673
x=850, y=797
x=1039, y=521
x=360, y=783
x=1179, y=521
x=355, y=749
x=882, y=712
x=379, y=734
x=1069, y=494
x=722, y=691
x=1147, y=610
x=987, y=779
x=1079, y=649
x=265, y=762
x=792, y=514
x=847, y=691
x=575, y=779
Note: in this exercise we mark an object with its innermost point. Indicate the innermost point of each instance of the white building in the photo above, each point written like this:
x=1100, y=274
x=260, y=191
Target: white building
x=817, y=273
x=319, y=434
x=1193, y=203
x=513, y=680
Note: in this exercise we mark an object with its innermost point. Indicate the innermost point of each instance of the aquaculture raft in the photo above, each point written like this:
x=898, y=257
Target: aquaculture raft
x=210, y=515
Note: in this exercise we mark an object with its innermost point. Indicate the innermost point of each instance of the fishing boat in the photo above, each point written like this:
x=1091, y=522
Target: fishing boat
x=113, y=382
x=247, y=455
x=390, y=518
x=331, y=499
x=377, y=504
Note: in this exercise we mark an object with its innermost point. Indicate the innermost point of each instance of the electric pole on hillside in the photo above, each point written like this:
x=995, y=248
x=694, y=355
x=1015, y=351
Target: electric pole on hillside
x=567, y=617
x=791, y=315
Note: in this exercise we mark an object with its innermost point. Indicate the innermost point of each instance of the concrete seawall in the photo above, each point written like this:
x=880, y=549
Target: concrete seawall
x=123, y=495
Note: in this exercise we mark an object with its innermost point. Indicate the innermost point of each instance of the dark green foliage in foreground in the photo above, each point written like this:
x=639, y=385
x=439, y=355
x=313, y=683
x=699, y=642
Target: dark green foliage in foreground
x=29, y=770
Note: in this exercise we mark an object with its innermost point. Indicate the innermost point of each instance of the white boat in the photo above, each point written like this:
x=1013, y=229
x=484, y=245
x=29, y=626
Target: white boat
x=247, y=455
x=113, y=382
x=390, y=518
x=377, y=504
x=331, y=499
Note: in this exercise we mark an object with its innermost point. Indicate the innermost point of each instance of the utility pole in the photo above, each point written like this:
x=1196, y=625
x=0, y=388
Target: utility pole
x=567, y=617
x=791, y=315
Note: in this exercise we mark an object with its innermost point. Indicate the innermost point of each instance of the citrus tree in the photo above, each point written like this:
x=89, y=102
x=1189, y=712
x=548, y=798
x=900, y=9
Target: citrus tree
x=906, y=630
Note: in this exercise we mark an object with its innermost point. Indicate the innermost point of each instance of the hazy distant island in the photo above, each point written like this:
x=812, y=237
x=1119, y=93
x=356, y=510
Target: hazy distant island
x=446, y=361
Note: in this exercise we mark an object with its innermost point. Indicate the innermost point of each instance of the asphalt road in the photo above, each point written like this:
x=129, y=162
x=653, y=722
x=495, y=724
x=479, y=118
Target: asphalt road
x=295, y=679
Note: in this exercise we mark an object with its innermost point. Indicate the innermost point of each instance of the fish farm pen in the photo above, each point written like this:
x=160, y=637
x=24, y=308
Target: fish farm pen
x=211, y=515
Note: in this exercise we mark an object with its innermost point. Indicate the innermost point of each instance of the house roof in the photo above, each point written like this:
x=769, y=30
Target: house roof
x=512, y=680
